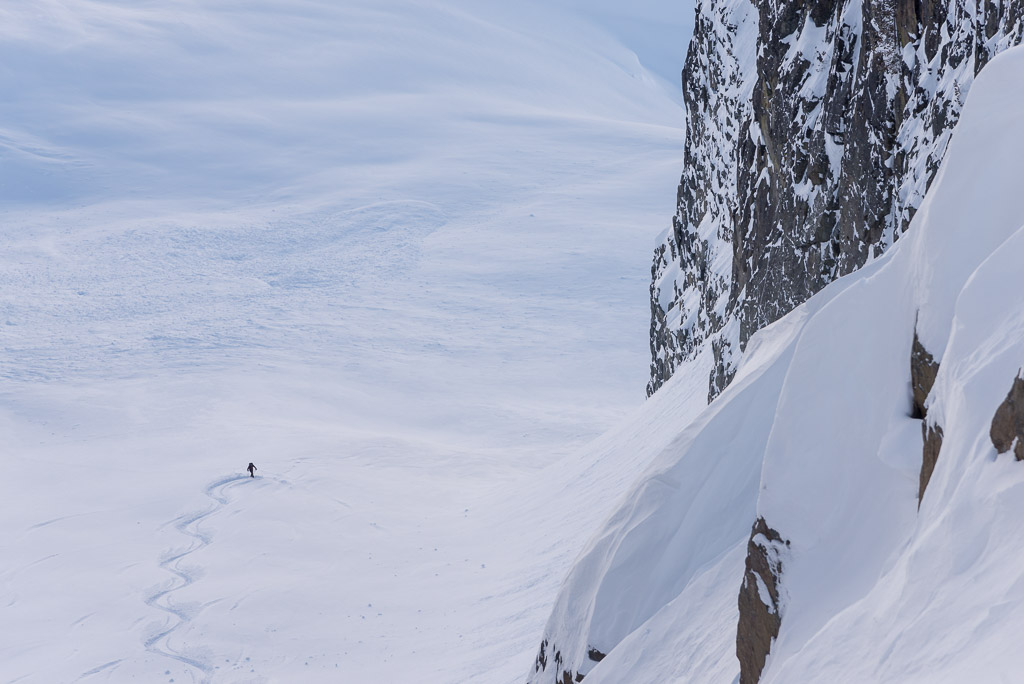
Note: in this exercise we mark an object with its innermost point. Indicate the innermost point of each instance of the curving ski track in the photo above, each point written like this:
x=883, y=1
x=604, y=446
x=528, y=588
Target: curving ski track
x=187, y=524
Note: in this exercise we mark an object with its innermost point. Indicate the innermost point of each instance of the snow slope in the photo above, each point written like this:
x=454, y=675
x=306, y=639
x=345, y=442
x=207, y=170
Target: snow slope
x=395, y=253
x=816, y=436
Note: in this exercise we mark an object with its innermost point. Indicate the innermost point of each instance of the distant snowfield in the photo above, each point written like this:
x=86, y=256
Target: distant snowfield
x=396, y=253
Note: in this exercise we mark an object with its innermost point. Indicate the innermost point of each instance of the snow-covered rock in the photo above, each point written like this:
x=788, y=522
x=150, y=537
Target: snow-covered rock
x=814, y=131
x=818, y=444
x=1008, y=424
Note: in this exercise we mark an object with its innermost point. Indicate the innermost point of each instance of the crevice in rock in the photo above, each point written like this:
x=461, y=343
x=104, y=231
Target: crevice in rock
x=1007, y=432
x=759, y=600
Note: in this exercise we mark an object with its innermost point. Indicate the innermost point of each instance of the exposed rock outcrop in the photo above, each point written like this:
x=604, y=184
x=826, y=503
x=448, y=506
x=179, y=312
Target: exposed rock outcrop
x=814, y=130
x=562, y=673
x=540, y=663
x=692, y=270
x=923, y=370
x=759, y=601
x=929, y=456
x=1007, y=430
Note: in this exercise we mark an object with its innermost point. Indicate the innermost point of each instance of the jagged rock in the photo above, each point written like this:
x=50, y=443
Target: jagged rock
x=814, y=130
x=759, y=601
x=561, y=674
x=929, y=456
x=1007, y=430
x=691, y=272
x=923, y=370
x=541, y=662
x=595, y=655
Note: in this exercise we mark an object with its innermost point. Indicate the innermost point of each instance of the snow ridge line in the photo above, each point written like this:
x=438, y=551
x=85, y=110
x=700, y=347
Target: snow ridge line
x=187, y=524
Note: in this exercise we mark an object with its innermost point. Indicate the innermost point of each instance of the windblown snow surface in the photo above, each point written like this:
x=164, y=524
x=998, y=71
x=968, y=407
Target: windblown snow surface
x=394, y=252
x=815, y=435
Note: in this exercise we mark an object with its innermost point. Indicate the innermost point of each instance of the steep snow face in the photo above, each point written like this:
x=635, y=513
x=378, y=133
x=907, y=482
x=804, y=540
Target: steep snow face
x=931, y=596
x=817, y=437
x=831, y=152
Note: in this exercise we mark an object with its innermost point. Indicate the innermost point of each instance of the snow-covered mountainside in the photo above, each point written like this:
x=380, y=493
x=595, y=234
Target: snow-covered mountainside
x=814, y=132
x=849, y=509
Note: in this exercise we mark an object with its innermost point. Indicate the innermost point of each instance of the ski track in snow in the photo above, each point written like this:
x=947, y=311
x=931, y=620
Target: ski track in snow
x=187, y=524
x=99, y=668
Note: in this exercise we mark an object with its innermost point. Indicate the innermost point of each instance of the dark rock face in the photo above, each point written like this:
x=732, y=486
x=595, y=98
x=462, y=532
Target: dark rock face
x=561, y=674
x=923, y=369
x=759, y=601
x=929, y=456
x=1007, y=430
x=540, y=663
x=692, y=270
x=814, y=130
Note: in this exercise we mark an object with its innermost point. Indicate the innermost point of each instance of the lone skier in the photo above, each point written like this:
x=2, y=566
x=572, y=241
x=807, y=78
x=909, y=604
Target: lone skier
x=252, y=470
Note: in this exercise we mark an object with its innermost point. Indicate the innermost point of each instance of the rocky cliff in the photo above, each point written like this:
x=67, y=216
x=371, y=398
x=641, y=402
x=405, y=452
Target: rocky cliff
x=814, y=129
